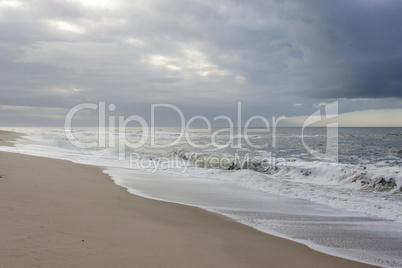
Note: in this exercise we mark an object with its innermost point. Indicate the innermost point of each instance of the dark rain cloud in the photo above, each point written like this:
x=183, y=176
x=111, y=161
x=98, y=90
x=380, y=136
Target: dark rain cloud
x=355, y=47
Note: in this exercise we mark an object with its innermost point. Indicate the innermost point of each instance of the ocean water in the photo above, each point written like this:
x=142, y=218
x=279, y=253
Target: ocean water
x=283, y=183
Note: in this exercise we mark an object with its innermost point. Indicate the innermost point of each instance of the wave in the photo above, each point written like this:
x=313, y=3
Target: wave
x=381, y=177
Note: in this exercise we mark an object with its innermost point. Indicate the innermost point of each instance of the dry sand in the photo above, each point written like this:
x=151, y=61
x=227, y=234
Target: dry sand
x=55, y=213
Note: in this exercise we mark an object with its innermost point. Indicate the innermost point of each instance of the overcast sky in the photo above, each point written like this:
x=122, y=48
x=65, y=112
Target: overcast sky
x=279, y=58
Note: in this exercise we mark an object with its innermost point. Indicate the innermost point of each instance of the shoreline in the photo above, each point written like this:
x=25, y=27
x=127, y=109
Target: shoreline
x=55, y=212
x=7, y=137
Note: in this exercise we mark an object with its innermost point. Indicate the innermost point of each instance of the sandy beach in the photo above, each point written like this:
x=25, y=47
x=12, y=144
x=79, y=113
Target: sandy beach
x=55, y=213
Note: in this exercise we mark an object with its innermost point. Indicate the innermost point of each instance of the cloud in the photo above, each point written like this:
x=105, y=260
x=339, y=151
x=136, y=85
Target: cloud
x=67, y=26
x=277, y=57
x=321, y=104
x=10, y=3
x=351, y=48
x=365, y=118
x=28, y=116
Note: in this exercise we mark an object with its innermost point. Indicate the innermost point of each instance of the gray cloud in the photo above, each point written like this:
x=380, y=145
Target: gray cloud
x=201, y=55
x=352, y=48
